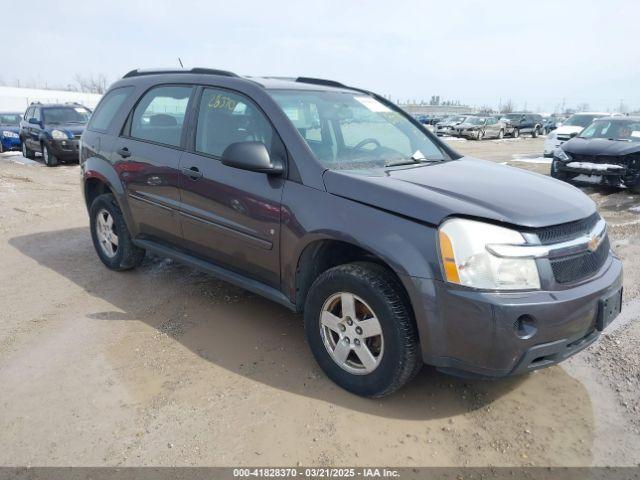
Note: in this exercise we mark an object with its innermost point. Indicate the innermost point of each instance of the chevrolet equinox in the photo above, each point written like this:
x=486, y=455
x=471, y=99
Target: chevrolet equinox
x=334, y=202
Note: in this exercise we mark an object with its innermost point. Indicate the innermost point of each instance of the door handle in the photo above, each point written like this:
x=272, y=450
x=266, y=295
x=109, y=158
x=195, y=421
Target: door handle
x=124, y=152
x=192, y=172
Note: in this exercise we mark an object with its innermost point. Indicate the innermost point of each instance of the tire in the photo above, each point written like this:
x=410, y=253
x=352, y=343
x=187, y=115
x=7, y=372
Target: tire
x=479, y=135
x=395, y=350
x=27, y=152
x=501, y=134
x=125, y=255
x=50, y=160
x=515, y=133
x=1, y=148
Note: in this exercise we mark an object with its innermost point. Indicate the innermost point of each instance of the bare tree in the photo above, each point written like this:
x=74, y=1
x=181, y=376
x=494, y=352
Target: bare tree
x=91, y=84
x=507, y=107
x=583, y=107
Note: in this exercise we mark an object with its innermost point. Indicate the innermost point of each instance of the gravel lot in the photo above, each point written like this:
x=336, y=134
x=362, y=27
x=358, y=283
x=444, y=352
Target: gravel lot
x=168, y=366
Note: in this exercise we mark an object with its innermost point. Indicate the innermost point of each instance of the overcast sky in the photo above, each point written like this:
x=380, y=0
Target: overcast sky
x=478, y=52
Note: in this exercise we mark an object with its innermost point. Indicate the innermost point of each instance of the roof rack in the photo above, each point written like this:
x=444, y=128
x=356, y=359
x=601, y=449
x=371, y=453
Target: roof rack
x=320, y=81
x=203, y=71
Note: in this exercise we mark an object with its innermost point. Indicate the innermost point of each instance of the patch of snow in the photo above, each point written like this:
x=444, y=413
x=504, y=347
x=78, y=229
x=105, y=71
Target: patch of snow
x=524, y=159
x=597, y=179
x=456, y=139
x=594, y=166
x=16, y=157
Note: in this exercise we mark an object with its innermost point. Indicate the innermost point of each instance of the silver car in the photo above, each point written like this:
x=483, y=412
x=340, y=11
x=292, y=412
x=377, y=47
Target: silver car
x=448, y=125
x=477, y=128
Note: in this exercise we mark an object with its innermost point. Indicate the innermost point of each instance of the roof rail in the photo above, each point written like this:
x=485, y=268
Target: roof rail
x=205, y=71
x=320, y=81
x=37, y=102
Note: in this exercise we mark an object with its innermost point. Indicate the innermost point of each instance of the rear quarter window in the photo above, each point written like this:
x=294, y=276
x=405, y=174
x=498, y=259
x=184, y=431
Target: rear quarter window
x=107, y=109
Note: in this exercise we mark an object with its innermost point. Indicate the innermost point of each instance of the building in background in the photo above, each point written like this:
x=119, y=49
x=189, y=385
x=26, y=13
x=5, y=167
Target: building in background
x=14, y=99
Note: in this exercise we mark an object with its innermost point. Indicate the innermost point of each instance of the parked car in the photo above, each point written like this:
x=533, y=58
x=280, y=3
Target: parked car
x=524, y=123
x=53, y=130
x=448, y=124
x=477, y=128
x=606, y=152
x=335, y=203
x=569, y=129
x=9, y=131
x=551, y=123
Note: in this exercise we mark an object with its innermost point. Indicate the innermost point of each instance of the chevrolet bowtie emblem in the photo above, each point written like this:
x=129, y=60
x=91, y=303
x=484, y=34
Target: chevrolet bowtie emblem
x=594, y=243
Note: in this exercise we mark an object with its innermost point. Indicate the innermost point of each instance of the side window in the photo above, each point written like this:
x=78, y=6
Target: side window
x=226, y=117
x=28, y=114
x=107, y=109
x=36, y=114
x=159, y=116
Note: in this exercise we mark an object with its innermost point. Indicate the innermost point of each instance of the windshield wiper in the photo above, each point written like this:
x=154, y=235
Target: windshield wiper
x=412, y=161
x=620, y=139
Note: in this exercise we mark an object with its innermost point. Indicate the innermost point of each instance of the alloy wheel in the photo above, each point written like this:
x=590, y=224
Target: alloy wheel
x=106, y=232
x=351, y=333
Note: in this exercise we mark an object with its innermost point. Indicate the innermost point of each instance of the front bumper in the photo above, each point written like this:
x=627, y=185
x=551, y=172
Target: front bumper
x=468, y=134
x=473, y=332
x=550, y=145
x=65, y=149
x=11, y=143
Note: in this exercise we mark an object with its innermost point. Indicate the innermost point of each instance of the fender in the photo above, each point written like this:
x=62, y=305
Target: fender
x=99, y=168
x=310, y=215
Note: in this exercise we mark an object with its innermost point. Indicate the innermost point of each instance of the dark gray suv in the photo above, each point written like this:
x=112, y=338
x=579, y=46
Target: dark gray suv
x=334, y=202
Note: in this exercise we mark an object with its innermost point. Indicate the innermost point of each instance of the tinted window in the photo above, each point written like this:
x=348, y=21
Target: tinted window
x=226, y=117
x=28, y=114
x=36, y=113
x=54, y=115
x=9, y=119
x=108, y=108
x=159, y=116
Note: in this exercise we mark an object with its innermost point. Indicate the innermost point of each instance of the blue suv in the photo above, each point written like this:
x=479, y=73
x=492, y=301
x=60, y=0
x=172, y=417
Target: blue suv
x=9, y=131
x=53, y=130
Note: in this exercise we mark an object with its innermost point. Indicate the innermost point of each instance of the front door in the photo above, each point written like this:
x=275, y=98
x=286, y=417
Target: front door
x=231, y=217
x=147, y=159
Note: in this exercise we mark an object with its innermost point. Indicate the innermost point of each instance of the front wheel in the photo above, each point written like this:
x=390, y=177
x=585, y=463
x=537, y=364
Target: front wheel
x=110, y=235
x=360, y=329
x=479, y=135
x=501, y=134
x=27, y=152
x=515, y=133
x=50, y=160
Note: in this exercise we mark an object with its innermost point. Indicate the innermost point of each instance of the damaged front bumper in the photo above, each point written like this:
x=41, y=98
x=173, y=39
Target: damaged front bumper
x=597, y=173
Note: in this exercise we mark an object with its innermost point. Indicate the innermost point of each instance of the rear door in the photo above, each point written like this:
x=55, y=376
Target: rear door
x=147, y=158
x=231, y=217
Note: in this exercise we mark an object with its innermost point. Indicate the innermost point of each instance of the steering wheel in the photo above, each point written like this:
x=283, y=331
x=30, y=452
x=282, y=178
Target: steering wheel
x=367, y=141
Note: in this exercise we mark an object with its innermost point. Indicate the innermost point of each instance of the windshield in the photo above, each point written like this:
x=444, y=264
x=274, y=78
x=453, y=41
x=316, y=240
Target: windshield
x=579, y=120
x=456, y=119
x=348, y=130
x=65, y=115
x=10, y=119
x=475, y=121
x=514, y=116
x=628, y=130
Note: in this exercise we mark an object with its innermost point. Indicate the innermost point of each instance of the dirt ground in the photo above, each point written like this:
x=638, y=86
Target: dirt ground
x=168, y=366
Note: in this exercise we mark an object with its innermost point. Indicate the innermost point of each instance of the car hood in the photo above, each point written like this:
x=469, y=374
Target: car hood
x=568, y=130
x=464, y=187
x=600, y=146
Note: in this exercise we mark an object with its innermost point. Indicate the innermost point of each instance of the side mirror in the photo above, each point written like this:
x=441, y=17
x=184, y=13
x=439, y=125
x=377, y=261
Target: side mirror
x=252, y=156
x=34, y=121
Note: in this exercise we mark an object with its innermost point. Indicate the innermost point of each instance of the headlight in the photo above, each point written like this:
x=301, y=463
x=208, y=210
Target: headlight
x=59, y=135
x=466, y=260
x=7, y=134
x=561, y=155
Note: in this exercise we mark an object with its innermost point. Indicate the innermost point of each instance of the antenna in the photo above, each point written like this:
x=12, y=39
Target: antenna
x=180, y=62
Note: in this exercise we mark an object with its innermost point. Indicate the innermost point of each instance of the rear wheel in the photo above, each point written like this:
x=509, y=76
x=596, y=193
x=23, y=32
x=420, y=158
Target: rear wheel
x=110, y=235
x=534, y=132
x=479, y=135
x=501, y=134
x=50, y=160
x=360, y=329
